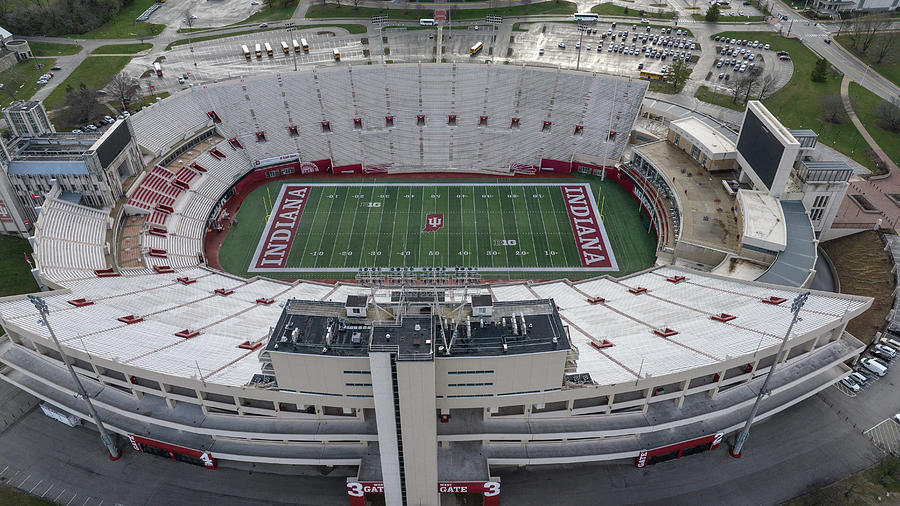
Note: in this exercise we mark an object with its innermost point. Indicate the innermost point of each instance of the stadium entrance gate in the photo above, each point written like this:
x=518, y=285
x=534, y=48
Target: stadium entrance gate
x=357, y=490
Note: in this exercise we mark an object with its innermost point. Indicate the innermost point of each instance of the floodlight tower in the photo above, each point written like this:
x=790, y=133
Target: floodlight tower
x=43, y=310
x=799, y=300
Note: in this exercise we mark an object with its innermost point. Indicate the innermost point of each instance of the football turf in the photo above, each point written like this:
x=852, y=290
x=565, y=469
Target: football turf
x=506, y=228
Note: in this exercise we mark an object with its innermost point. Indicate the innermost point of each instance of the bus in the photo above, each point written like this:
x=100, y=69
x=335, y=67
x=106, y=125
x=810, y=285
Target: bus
x=586, y=16
x=258, y=52
x=652, y=76
x=427, y=22
x=269, y=49
x=296, y=46
x=284, y=47
x=337, y=54
x=246, y=51
x=305, y=45
x=476, y=48
x=158, y=68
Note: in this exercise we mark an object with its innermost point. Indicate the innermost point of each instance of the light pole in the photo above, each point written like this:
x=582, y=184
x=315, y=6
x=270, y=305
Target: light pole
x=42, y=308
x=291, y=26
x=379, y=21
x=799, y=300
x=582, y=27
x=494, y=21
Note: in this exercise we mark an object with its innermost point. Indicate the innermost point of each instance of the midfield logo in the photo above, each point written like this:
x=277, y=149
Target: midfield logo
x=433, y=222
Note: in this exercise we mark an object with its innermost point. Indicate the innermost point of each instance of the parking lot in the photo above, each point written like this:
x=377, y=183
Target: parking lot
x=224, y=58
x=619, y=49
x=733, y=61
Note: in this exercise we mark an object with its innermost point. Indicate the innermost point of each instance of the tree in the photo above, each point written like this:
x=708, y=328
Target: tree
x=832, y=108
x=884, y=45
x=820, y=71
x=678, y=73
x=743, y=85
x=124, y=88
x=81, y=104
x=888, y=114
x=752, y=78
x=712, y=14
x=766, y=85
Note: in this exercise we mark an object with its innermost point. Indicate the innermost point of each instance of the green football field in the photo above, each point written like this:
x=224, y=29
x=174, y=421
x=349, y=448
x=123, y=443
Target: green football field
x=324, y=229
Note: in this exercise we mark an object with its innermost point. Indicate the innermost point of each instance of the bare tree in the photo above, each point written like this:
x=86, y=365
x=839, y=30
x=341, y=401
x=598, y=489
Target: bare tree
x=743, y=85
x=124, y=88
x=765, y=85
x=888, y=114
x=81, y=104
x=832, y=108
x=884, y=45
x=753, y=76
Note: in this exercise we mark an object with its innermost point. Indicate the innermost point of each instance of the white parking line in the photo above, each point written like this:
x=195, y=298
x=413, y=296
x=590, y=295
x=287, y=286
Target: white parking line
x=4, y=470
x=23, y=481
x=72, y=499
x=85, y=501
x=36, y=486
x=49, y=489
x=60, y=495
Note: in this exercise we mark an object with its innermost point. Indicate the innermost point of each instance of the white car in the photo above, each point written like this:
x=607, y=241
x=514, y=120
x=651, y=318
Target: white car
x=562, y=45
x=578, y=45
x=541, y=51
x=887, y=350
x=850, y=384
x=766, y=47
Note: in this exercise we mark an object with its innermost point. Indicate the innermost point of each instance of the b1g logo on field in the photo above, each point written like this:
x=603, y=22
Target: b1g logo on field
x=433, y=222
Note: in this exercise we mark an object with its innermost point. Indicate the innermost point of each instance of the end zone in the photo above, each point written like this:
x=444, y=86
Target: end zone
x=275, y=243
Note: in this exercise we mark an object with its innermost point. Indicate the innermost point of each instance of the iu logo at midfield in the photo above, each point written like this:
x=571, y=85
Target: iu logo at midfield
x=433, y=222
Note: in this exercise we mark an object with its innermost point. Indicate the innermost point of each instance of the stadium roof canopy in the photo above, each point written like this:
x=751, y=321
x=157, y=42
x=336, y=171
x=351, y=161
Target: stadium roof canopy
x=794, y=265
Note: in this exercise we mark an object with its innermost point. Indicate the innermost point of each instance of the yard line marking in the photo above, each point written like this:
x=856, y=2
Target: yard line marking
x=312, y=221
x=503, y=226
x=543, y=228
x=390, y=245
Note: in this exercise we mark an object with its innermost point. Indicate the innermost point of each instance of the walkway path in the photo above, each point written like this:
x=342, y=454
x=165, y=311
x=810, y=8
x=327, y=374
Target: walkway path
x=877, y=190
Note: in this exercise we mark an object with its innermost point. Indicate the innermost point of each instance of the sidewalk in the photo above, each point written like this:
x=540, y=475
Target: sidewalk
x=845, y=95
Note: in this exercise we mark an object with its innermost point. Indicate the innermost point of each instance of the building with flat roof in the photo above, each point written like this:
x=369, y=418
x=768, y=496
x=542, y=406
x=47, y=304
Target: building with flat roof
x=28, y=119
x=713, y=150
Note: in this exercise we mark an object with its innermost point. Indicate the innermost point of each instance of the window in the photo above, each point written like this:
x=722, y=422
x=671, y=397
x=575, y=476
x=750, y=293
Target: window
x=455, y=385
x=677, y=139
x=820, y=201
x=471, y=372
x=357, y=384
x=695, y=152
x=816, y=214
x=357, y=372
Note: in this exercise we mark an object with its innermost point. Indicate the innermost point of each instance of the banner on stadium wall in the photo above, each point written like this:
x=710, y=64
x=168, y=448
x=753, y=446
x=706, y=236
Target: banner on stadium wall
x=142, y=443
x=276, y=160
x=489, y=489
x=4, y=212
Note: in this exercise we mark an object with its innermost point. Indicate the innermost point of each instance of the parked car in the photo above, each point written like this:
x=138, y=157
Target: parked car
x=77, y=131
x=858, y=377
x=90, y=127
x=785, y=57
x=264, y=25
x=562, y=45
x=645, y=21
x=874, y=366
x=108, y=118
x=541, y=51
x=850, y=384
x=766, y=47
x=722, y=75
x=55, y=68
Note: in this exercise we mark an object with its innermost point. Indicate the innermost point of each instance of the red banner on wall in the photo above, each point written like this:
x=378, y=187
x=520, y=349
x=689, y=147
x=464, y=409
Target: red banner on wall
x=4, y=212
x=489, y=489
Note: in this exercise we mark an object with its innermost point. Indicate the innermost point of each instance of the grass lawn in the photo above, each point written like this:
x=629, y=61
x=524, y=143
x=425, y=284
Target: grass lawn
x=20, y=80
x=346, y=11
x=272, y=14
x=122, y=48
x=16, y=276
x=94, y=72
x=864, y=269
x=53, y=49
x=869, y=486
x=124, y=26
x=889, y=67
x=865, y=102
x=352, y=28
x=14, y=497
x=797, y=104
x=705, y=94
x=609, y=9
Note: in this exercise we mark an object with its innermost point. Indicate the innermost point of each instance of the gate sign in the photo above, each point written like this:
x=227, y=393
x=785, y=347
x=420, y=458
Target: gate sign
x=433, y=222
x=489, y=489
x=276, y=160
x=4, y=212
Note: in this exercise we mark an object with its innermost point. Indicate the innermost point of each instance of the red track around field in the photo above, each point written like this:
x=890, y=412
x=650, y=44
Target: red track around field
x=213, y=240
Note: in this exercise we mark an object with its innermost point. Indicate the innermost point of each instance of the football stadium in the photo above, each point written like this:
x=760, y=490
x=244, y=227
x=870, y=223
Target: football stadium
x=423, y=274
